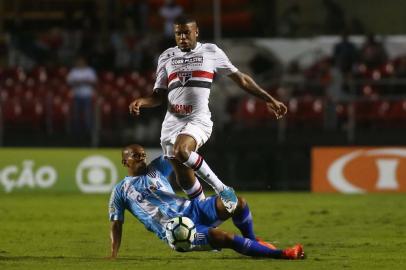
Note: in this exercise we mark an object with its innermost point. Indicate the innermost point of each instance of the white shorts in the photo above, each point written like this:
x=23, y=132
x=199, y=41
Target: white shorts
x=200, y=132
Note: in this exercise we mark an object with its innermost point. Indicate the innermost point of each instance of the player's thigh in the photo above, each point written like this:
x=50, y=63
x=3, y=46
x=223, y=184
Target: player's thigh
x=200, y=132
x=185, y=142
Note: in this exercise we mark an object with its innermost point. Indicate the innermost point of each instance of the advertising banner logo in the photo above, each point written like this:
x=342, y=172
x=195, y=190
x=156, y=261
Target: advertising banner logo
x=62, y=170
x=96, y=174
x=359, y=170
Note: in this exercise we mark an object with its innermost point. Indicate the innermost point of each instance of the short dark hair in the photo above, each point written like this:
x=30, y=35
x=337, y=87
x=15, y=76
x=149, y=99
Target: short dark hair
x=184, y=19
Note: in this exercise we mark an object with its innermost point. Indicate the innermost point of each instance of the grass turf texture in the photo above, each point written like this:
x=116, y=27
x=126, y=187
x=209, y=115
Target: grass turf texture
x=67, y=231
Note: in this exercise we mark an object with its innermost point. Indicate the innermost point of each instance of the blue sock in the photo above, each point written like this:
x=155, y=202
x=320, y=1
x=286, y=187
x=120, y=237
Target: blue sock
x=243, y=221
x=253, y=248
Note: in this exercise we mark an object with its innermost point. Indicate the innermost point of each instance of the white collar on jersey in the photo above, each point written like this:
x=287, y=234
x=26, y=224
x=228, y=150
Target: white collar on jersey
x=198, y=45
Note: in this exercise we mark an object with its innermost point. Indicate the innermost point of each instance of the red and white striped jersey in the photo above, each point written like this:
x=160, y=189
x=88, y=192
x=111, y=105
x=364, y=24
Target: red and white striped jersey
x=188, y=76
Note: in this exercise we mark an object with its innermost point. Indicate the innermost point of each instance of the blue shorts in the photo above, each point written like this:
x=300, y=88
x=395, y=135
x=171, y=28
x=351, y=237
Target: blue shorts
x=204, y=215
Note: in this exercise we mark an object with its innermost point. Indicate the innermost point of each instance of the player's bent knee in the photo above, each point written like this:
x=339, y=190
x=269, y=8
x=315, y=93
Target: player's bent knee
x=241, y=202
x=181, y=153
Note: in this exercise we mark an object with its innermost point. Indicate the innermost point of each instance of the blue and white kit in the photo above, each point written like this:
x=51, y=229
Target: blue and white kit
x=151, y=199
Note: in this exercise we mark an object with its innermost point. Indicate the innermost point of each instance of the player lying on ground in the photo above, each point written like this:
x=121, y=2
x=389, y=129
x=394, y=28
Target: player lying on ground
x=185, y=75
x=148, y=195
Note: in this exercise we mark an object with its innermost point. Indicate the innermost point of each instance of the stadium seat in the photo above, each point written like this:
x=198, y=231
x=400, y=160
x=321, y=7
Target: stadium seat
x=60, y=114
x=107, y=77
x=11, y=111
x=250, y=112
x=33, y=113
x=105, y=113
x=371, y=113
x=40, y=74
x=396, y=115
x=342, y=111
x=306, y=111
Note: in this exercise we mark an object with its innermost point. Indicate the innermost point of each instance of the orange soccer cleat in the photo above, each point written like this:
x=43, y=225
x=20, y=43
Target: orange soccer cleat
x=294, y=253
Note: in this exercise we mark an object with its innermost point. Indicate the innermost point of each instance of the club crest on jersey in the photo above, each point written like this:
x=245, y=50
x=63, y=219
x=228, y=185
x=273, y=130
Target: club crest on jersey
x=184, y=76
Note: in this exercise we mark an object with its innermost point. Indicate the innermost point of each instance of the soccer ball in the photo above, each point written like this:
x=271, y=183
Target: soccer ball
x=180, y=233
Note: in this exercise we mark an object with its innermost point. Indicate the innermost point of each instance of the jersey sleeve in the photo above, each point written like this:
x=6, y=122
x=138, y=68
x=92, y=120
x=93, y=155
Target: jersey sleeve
x=162, y=165
x=223, y=64
x=116, y=205
x=161, y=81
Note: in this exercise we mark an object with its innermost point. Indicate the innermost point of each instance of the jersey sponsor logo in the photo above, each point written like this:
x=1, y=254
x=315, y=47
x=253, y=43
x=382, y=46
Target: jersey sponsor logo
x=96, y=174
x=140, y=195
x=12, y=176
x=190, y=60
x=155, y=186
x=143, y=194
x=181, y=109
x=352, y=170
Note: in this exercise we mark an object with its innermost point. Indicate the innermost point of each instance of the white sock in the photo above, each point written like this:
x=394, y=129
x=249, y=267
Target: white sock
x=195, y=192
x=197, y=163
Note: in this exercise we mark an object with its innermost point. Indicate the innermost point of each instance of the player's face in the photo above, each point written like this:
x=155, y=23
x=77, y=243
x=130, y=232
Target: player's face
x=186, y=36
x=135, y=160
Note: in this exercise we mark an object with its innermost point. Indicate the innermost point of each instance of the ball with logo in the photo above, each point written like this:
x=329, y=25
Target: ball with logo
x=180, y=233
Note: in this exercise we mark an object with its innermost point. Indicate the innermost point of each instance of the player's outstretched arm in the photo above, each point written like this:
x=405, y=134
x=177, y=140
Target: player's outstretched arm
x=153, y=100
x=249, y=85
x=116, y=230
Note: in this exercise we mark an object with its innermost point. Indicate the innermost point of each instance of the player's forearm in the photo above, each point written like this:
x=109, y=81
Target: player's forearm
x=250, y=86
x=154, y=100
x=115, y=235
x=150, y=102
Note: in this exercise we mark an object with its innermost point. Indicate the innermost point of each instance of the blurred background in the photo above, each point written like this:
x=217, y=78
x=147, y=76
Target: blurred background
x=70, y=68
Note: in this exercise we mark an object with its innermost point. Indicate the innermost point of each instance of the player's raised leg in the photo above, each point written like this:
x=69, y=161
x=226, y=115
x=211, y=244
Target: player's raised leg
x=186, y=179
x=184, y=151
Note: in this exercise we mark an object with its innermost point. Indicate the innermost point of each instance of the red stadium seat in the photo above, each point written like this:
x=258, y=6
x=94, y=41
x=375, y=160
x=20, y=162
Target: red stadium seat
x=396, y=115
x=40, y=74
x=372, y=113
x=60, y=110
x=121, y=107
x=11, y=111
x=105, y=113
x=107, y=77
x=251, y=112
x=307, y=111
x=33, y=113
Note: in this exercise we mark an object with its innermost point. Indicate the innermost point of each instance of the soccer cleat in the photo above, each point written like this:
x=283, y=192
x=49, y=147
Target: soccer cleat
x=229, y=199
x=266, y=244
x=294, y=253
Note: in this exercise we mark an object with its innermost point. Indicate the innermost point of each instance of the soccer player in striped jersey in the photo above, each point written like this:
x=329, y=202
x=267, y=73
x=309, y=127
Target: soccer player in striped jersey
x=148, y=195
x=183, y=79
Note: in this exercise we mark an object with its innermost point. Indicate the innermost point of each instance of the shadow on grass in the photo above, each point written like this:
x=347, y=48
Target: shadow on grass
x=120, y=259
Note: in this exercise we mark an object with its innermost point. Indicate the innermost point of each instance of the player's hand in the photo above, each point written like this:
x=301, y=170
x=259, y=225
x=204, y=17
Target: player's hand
x=135, y=107
x=277, y=108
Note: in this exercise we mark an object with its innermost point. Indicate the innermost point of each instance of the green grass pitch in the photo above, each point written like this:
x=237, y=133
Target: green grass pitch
x=71, y=231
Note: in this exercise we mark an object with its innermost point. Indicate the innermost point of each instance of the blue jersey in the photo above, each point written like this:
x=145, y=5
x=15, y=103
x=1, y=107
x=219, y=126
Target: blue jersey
x=150, y=198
